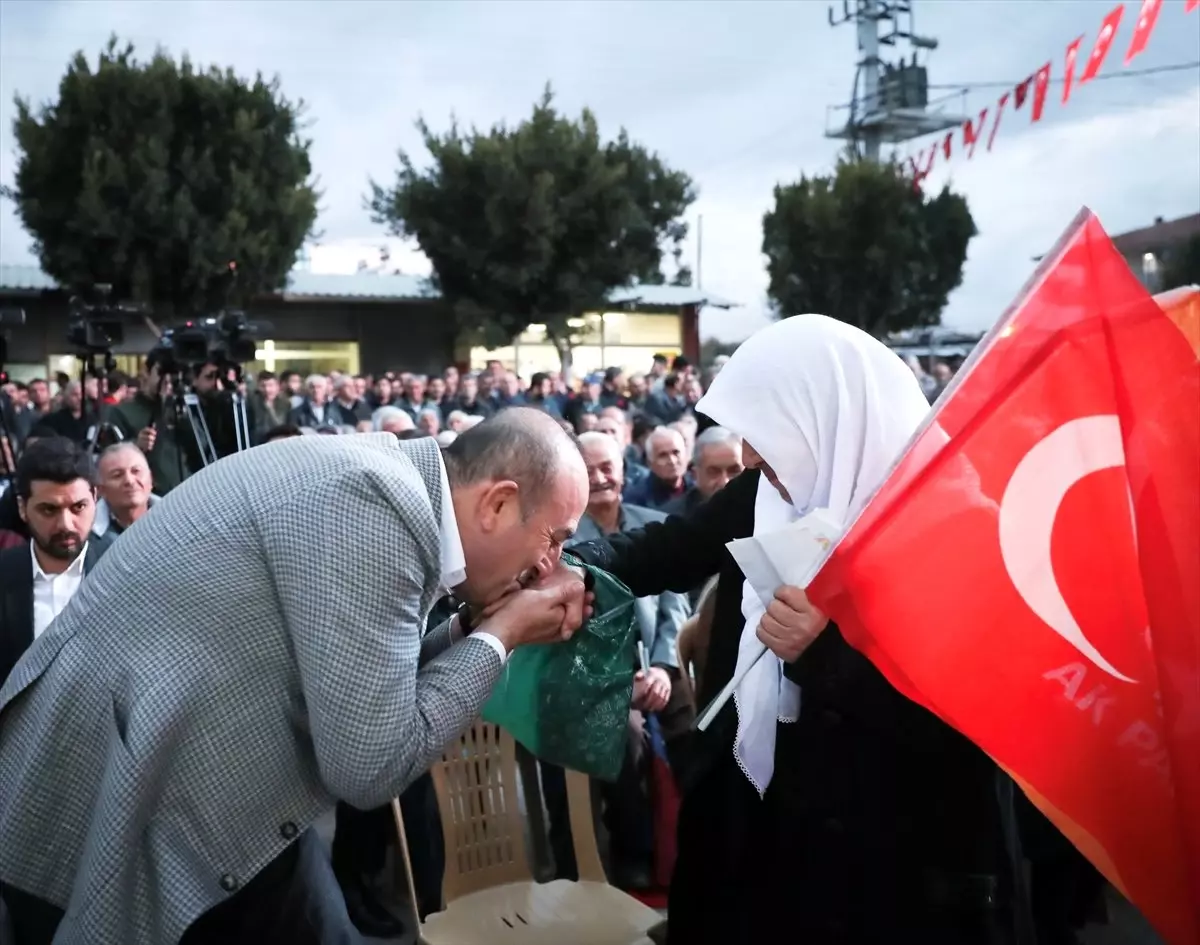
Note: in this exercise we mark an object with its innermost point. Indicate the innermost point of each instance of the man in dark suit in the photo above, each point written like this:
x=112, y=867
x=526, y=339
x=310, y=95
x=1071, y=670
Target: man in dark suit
x=56, y=502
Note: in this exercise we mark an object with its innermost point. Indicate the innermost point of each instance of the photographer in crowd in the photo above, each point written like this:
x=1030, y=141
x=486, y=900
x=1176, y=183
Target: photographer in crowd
x=148, y=419
x=215, y=383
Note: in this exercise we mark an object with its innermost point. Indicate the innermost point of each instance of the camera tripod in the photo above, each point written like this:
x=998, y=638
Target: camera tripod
x=88, y=367
x=186, y=403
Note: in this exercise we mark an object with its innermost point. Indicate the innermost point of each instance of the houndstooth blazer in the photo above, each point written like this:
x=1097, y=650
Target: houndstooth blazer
x=214, y=685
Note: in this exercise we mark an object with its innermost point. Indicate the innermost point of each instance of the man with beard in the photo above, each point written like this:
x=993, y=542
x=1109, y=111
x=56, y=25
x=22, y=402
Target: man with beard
x=57, y=503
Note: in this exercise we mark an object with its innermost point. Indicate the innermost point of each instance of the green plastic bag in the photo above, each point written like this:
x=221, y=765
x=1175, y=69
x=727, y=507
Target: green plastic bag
x=568, y=703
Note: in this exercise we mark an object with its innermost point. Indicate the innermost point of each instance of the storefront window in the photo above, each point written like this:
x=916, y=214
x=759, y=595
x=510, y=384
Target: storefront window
x=307, y=357
x=615, y=339
x=634, y=360
x=624, y=328
x=25, y=371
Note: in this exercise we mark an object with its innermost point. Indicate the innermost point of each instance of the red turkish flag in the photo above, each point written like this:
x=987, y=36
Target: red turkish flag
x=1041, y=82
x=1069, y=70
x=947, y=144
x=1049, y=512
x=971, y=133
x=1147, y=17
x=1108, y=32
x=1191, y=5
x=996, y=124
x=1020, y=92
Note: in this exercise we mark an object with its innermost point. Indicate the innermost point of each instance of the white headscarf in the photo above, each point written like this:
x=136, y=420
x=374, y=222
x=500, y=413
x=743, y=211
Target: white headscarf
x=830, y=410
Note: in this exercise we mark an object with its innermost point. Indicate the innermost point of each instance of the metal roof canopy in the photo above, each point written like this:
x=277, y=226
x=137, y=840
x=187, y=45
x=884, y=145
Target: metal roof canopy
x=367, y=287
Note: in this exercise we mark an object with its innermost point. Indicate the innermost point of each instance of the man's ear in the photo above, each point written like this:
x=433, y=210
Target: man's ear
x=496, y=501
x=21, y=510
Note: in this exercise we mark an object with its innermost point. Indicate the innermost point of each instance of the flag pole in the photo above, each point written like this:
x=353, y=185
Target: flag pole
x=714, y=707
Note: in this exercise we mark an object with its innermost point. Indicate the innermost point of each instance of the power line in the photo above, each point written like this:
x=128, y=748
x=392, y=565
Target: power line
x=1132, y=74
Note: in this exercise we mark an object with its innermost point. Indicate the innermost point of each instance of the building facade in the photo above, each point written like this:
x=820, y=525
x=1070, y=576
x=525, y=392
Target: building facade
x=1153, y=249
x=364, y=323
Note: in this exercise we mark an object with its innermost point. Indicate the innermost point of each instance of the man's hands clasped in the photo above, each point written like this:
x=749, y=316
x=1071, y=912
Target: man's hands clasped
x=651, y=689
x=548, y=610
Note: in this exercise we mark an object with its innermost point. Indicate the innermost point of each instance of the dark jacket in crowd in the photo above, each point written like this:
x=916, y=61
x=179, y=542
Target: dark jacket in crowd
x=881, y=824
x=664, y=407
x=653, y=493
x=16, y=597
x=270, y=415
x=353, y=414
x=304, y=416
x=476, y=408
x=64, y=423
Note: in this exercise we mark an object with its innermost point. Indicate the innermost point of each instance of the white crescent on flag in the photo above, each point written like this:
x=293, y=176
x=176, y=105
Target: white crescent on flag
x=1030, y=506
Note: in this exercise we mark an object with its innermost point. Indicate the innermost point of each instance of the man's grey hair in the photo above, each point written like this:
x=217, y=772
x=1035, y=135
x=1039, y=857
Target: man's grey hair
x=521, y=443
x=384, y=415
x=456, y=416
x=315, y=379
x=119, y=448
x=714, y=436
x=596, y=438
x=430, y=412
x=660, y=432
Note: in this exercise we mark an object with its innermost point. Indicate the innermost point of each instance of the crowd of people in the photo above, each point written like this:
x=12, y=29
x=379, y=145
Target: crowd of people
x=93, y=459
x=90, y=459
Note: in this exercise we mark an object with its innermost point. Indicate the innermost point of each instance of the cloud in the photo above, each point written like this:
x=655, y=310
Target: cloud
x=733, y=92
x=1127, y=166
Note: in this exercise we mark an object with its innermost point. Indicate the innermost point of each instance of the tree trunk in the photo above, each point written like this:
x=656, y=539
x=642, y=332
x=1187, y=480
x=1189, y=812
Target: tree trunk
x=563, y=347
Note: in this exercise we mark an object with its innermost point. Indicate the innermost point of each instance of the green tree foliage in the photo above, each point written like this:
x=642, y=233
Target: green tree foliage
x=535, y=224
x=865, y=246
x=152, y=177
x=1182, y=265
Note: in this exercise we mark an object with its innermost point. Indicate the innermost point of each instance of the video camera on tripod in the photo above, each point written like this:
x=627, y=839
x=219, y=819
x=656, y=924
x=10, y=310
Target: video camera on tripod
x=226, y=342
x=94, y=328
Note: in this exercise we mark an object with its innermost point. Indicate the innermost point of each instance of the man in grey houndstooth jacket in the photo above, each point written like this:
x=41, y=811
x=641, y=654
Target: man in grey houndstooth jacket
x=212, y=689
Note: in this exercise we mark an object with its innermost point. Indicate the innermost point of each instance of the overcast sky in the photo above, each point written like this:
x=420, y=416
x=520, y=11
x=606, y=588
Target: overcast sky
x=735, y=93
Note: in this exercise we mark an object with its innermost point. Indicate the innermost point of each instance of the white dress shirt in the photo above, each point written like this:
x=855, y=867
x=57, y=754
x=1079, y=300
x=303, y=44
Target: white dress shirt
x=454, y=562
x=52, y=591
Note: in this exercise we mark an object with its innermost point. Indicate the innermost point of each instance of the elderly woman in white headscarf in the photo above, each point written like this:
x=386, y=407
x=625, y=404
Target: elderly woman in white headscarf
x=821, y=806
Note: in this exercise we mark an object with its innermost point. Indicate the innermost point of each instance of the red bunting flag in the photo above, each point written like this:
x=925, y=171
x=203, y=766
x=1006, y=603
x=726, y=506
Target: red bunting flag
x=1143, y=28
x=1051, y=505
x=971, y=135
x=947, y=142
x=1069, y=71
x=996, y=124
x=928, y=168
x=1021, y=92
x=1108, y=32
x=1041, y=83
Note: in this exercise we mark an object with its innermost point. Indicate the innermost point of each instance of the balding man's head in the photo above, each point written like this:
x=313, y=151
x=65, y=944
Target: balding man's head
x=605, y=468
x=519, y=487
x=716, y=459
x=666, y=454
x=124, y=482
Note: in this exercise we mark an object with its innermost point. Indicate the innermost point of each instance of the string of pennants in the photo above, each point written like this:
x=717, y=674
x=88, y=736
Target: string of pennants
x=1037, y=85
